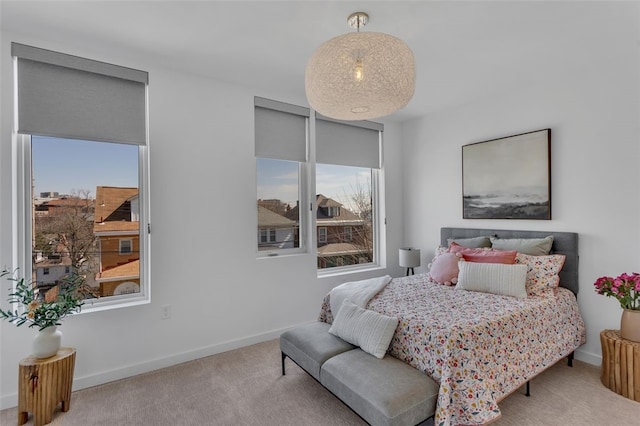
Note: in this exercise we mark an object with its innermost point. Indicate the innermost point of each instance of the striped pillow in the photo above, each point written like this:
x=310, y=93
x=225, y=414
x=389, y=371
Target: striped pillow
x=495, y=278
x=365, y=328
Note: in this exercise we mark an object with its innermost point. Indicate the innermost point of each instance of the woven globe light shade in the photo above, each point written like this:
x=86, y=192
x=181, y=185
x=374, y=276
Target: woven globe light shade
x=360, y=76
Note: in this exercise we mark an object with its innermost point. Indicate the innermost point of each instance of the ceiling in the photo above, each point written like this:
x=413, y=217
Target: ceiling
x=464, y=51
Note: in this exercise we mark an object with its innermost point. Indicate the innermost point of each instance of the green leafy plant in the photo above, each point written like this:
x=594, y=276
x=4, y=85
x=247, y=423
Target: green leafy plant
x=43, y=312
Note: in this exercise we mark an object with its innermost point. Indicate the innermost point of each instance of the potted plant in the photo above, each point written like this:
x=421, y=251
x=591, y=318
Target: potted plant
x=626, y=289
x=43, y=311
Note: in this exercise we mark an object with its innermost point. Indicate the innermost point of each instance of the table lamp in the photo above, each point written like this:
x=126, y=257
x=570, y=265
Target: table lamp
x=409, y=258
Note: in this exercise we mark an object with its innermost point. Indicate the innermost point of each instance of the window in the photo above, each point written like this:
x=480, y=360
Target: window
x=84, y=180
x=281, y=155
x=126, y=246
x=45, y=271
x=268, y=236
x=322, y=235
x=347, y=163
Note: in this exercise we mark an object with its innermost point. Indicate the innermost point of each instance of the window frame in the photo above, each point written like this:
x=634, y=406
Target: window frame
x=120, y=245
x=322, y=234
x=304, y=176
x=378, y=208
x=377, y=223
x=348, y=236
x=308, y=227
x=303, y=218
x=23, y=218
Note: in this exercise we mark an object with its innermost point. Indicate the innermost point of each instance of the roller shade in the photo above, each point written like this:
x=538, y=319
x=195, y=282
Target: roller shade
x=348, y=144
x=67, y=96
x=280, y=130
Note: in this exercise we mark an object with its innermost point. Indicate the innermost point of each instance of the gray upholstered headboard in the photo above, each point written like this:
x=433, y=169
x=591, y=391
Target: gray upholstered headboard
x=563, y=243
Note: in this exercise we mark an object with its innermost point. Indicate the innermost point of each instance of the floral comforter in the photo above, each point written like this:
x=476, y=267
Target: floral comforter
x=479, y=346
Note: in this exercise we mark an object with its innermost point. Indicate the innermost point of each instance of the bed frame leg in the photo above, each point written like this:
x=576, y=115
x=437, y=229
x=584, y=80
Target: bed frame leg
x=527, y=393
x=283, y=357
x=570, y=360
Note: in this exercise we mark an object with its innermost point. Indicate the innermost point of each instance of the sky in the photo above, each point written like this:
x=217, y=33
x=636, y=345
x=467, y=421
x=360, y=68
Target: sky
x=67, y=165
x=278, y=179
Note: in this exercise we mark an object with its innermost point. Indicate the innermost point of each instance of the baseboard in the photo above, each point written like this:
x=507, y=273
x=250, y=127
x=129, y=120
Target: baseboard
x=588, y=357
x=11, y=400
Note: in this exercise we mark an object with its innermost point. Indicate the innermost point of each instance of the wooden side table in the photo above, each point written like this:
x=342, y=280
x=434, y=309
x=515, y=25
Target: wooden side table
x=43, y=384
x=620, y=364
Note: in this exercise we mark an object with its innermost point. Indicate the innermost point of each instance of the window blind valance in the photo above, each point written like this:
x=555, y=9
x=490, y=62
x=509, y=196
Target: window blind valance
x=280, y=130
x=67, y=96
x=348, y=144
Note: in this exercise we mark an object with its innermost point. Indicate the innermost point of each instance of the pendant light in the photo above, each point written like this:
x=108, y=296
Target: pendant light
x=360, y=75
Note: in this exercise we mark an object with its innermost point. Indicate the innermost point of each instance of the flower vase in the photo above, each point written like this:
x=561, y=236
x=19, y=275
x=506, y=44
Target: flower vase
x=630, y=325
x=47, y=342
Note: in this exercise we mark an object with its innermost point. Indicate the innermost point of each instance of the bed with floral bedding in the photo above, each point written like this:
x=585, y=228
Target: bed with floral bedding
x=478, y=345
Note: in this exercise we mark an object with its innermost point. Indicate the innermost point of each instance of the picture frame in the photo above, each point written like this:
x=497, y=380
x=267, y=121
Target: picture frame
x=508, y=178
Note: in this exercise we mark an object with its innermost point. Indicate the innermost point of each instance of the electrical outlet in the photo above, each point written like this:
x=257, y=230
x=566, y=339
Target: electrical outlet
x=165, y=312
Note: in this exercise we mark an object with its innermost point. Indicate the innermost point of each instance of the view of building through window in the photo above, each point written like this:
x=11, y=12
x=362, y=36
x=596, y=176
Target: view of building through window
x=278, y=213
x=344, y=220
x=344, y=217
x=86, y=214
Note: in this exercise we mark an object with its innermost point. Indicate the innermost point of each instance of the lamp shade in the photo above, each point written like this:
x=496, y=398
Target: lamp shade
x=360, y=76
x=409, y=257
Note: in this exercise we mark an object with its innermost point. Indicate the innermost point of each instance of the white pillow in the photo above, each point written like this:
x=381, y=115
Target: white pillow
x=495, y=278
x=365, y=328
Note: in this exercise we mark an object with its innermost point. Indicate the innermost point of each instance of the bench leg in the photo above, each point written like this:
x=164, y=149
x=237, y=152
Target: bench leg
x=570, y=360
x=283, y=357
x=527, y=393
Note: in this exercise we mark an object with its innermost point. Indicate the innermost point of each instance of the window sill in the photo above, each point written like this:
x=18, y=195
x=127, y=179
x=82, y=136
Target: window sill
x=348, y=270
x=113, y=302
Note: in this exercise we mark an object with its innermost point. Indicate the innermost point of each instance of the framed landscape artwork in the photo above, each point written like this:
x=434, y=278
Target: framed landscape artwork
x=508, y=178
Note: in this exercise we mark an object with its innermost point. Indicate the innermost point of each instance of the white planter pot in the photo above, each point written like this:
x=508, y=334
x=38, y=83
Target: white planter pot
x=47, y=342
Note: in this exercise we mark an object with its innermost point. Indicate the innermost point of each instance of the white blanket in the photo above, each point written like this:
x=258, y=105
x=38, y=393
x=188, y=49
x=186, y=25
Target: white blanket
x=358, y=292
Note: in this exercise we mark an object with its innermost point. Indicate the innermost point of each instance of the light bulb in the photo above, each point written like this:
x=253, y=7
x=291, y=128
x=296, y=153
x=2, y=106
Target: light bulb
x=358, y=72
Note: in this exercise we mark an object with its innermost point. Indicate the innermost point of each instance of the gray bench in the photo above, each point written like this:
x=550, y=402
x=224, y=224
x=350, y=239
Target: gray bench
x=310, y=345
x=382, y=391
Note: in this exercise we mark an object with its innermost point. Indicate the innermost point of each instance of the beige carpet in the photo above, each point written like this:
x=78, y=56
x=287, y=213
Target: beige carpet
x=245, y=387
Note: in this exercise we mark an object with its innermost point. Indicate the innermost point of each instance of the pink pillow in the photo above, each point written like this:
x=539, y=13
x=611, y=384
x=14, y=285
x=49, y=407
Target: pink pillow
x=484, y=255
x=444, y=269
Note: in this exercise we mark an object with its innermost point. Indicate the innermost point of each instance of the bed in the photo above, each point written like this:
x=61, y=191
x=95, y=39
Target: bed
x=481, y=347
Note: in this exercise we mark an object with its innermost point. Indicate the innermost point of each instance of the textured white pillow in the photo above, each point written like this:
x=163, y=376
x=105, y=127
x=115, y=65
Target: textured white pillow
x=365, y=328
x=495, y=278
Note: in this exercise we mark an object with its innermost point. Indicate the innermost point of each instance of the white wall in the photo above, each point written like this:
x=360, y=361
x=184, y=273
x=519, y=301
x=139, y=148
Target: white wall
x=590, y=100
x=203, y=260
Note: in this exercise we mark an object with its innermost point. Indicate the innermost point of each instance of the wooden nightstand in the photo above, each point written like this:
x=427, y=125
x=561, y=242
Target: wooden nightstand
x=43, y=384
x=620, y=364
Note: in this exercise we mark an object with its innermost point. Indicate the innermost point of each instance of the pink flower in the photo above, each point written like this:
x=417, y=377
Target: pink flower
x=625, y=288
x=602, y=284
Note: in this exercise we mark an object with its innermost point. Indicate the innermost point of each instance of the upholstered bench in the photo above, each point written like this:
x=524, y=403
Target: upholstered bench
x=310, y=345
x=383, y=391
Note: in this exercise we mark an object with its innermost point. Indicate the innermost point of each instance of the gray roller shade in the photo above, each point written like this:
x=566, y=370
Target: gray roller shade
x=348, y=144
x=67, y=96
x=280, y=130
